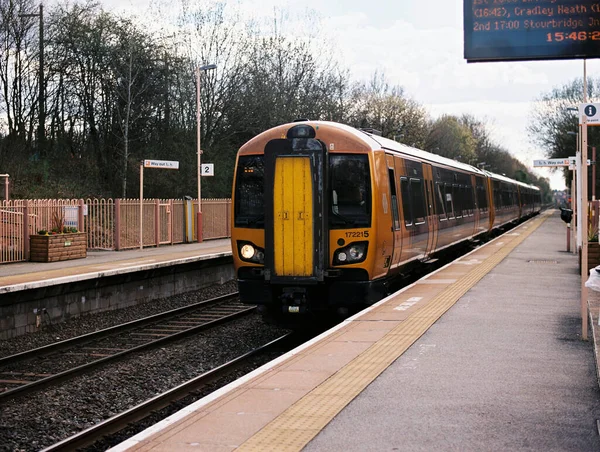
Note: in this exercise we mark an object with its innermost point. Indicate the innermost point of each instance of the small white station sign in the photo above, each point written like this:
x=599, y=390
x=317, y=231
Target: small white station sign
x=208, y=169
x=591, y=113
x=551, y=162
x=162, y=164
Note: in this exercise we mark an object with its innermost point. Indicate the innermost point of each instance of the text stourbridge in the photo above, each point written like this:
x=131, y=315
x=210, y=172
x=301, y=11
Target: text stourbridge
x=531, y=29
x=496, y=15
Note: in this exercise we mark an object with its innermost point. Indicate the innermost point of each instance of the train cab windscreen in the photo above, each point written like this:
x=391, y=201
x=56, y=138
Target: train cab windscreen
x=249, y=192
x=349, y=191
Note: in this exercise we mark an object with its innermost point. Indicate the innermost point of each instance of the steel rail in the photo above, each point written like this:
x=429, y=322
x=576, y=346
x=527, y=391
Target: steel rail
x=84, y=338
x=62, y=376
x=143, y=410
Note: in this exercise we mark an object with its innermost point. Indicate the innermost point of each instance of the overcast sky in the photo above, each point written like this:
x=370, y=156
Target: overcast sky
x=418, y=44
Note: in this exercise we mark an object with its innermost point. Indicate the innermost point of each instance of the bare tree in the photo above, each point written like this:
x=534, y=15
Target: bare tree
x=386, y=108
x=553, y=118
x=448, y=137
x=18, y=68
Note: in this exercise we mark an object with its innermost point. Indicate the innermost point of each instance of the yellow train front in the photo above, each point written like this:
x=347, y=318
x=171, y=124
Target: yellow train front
x=325, y=215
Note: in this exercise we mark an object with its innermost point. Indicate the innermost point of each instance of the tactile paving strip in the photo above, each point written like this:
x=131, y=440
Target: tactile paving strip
x=300, y=423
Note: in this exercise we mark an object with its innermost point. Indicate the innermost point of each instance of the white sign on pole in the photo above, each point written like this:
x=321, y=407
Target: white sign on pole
x=591, y=112
x=208, y=169
x=570, y=162
x=573, y=163
x=162, y=164
x=551, y=162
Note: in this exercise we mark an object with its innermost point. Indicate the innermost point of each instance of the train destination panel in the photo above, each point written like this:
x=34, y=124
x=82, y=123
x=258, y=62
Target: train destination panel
x=509, y=30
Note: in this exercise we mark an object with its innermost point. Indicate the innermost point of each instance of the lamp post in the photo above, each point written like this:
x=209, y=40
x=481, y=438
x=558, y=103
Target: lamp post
x=199, y=70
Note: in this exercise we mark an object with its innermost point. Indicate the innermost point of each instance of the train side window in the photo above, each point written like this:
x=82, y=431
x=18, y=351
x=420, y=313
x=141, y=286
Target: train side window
x=449, y=201
x=482, y=199
x=456, y=196
x=418, y=200
x=469, y=198
x=394, y=196
x=439, y=202
x=497, y=199
x=506, y=199
x=405, y=201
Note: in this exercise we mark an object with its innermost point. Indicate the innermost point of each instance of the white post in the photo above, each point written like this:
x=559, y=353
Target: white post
x=584, y=215
x=578, y=173
x=199, y=152
x=574, y=207
x=141, y=205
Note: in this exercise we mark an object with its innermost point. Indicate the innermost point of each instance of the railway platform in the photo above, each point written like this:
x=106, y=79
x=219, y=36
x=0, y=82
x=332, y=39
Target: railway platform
x=27, y=275
x=34, y=294
x=483, y=354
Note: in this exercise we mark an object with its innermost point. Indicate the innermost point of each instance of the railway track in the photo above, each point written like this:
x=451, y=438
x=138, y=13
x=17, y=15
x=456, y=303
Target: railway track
x=54, y=363
x=192, y=387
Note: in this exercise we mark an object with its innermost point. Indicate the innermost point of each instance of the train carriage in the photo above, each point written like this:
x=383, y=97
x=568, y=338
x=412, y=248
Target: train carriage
x=325, y=215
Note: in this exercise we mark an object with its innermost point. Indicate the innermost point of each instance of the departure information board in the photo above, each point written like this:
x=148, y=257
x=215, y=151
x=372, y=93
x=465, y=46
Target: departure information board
x=508, y=30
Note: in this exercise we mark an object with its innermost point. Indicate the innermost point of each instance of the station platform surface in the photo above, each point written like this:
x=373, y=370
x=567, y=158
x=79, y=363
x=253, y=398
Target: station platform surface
x=483, y=354
x=30, y=275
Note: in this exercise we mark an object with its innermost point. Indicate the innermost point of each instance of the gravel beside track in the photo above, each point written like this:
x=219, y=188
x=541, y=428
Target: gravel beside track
x=77, y=326
x=33, y=422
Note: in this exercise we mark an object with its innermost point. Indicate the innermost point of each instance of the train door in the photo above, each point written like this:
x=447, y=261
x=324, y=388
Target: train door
x=475, y=205
x=491, y=202
x=295, y=245
x=394, y=202
x=433, y=225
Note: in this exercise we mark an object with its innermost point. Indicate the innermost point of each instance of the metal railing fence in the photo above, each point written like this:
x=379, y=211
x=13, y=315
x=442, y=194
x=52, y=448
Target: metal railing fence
x=110, y=224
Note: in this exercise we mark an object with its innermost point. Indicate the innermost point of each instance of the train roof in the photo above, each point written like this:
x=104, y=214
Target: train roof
x=371, y=142
x=392, y=145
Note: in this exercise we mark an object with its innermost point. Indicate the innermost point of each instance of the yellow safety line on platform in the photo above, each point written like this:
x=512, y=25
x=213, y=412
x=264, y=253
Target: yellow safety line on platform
x=300, y=423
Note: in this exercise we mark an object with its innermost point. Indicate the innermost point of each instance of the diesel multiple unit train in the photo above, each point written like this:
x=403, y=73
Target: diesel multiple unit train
x=325, y=215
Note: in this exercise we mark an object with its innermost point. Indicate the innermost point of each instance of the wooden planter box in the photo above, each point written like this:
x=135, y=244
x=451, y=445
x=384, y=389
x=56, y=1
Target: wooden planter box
x=59, y=247
x=593, y=255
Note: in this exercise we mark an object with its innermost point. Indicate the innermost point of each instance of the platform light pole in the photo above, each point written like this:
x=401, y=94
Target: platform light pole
x=199, y=71
x=583, y=136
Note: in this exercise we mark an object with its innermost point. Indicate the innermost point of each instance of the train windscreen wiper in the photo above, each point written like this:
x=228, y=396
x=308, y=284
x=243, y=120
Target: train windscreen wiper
x=257, y=220
x=344, y=220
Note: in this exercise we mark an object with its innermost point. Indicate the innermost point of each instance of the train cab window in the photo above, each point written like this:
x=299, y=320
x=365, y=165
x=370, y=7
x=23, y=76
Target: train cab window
x=417, y=201
x=404, y=191
x=249, y=192
x=440, y=204
x=350, y=191
x=394, y=196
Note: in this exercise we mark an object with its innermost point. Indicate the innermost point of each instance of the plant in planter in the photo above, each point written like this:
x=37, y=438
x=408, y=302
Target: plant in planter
x=593, y=247
x=60, y=243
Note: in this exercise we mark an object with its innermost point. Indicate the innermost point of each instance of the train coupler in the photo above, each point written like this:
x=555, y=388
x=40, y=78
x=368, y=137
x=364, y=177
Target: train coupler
x=293, y=300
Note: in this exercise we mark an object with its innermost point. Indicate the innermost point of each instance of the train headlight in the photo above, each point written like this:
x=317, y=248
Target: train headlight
x=351, y=254
x=248, y=252
x=356, y=253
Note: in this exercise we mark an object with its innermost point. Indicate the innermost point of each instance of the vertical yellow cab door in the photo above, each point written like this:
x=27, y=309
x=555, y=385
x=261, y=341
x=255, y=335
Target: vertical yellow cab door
x=293, y=217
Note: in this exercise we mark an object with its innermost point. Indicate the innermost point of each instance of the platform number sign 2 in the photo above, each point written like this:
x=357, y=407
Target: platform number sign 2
x=208, y=169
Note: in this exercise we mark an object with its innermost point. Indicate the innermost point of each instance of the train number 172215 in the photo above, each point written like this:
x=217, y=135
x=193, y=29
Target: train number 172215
x=354, y=234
